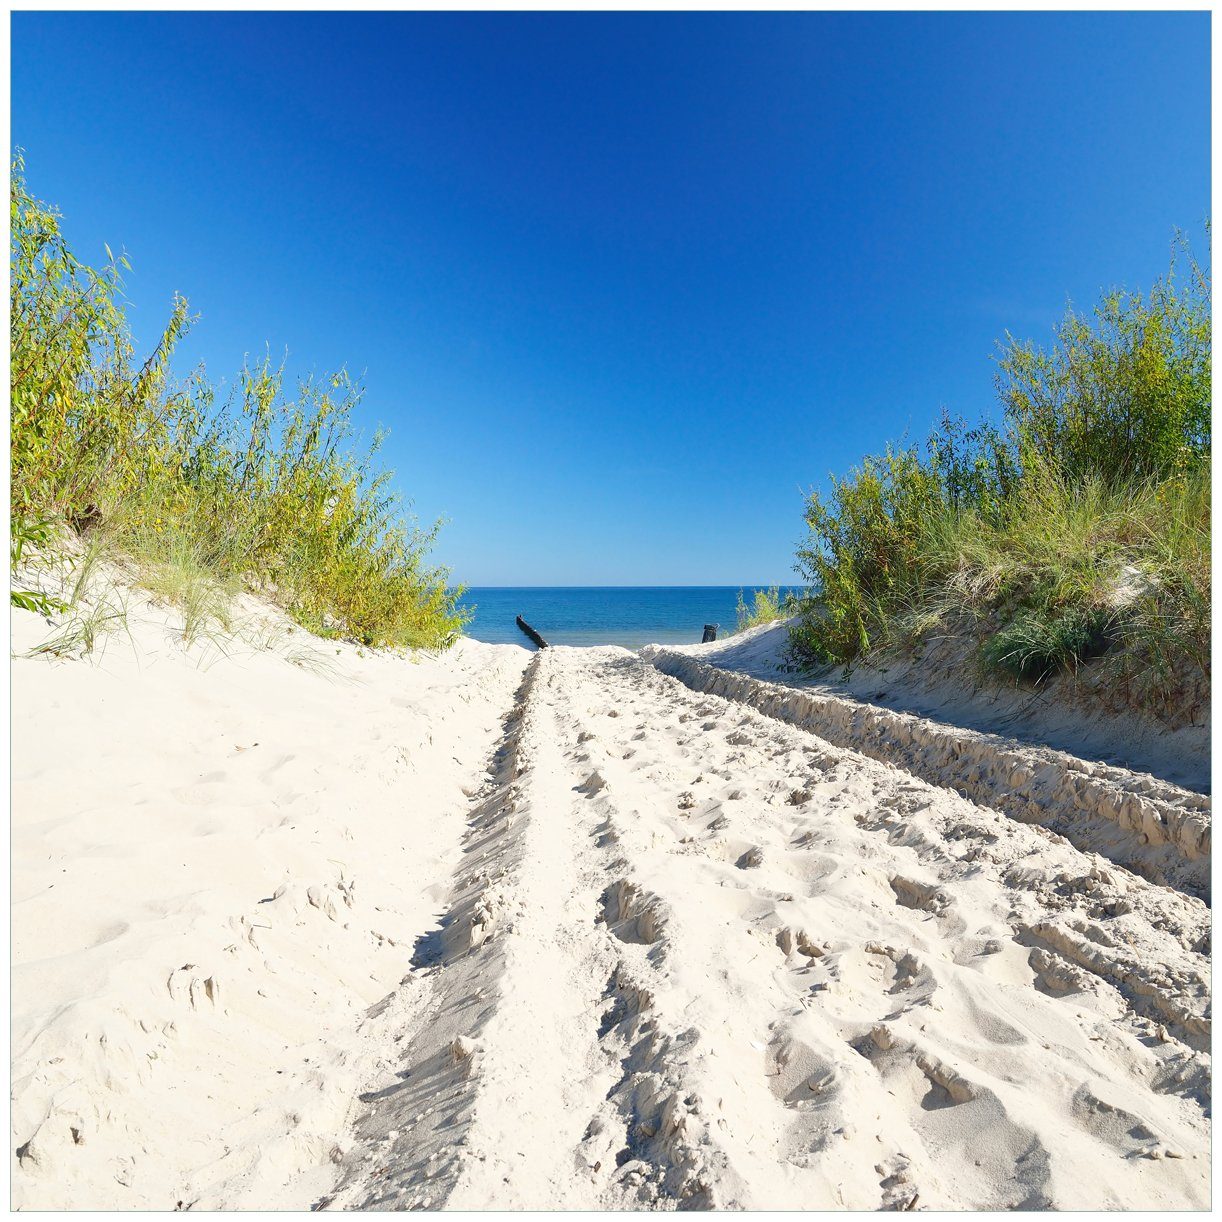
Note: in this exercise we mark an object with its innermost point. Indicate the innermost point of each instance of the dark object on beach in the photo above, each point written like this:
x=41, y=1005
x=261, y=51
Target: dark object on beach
x=530, y=632
x=710, y=633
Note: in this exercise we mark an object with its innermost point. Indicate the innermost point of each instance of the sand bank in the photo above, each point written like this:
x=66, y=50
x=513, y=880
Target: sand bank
x=219, y=864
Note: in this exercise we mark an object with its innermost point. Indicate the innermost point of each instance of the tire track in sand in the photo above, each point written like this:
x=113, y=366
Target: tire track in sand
x=533, y=1072
x=698, y=957
x=1147, y=825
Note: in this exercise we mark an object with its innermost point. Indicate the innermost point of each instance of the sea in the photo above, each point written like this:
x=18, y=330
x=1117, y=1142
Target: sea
x=603, y=615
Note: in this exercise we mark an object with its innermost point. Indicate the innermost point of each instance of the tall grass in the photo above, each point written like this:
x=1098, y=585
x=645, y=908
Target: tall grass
x=1078, y=528
x=766, y=607
x=268, y=490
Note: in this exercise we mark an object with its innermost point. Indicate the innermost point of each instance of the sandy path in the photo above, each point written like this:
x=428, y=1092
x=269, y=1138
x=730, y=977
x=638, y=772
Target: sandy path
x=694, y=955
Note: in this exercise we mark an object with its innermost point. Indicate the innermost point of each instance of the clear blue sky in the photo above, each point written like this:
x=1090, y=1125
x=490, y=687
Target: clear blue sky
x=622, y=286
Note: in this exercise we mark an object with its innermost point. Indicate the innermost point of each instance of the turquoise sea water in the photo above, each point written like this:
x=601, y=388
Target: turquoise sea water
x=603, y=615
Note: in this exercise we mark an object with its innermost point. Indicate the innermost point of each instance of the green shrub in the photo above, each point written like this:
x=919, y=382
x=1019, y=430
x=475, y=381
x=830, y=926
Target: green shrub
x=1125, y=394
x=767, y=606
x=1033, y=646
x=867, y=547
x=1082, y=522
x=23, y=535
x=269, y=490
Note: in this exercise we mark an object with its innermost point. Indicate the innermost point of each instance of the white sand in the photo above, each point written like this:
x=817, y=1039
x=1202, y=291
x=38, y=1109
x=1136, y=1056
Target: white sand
x=554, y=930
x=218, y=865
x=944, y=684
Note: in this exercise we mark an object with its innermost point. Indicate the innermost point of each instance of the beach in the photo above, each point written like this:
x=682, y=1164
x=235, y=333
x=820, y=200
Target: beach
x=308, y=925
x=645, y=645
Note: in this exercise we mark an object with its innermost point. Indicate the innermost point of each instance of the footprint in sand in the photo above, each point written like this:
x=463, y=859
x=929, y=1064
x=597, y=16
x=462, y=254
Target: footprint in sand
x=593, y=784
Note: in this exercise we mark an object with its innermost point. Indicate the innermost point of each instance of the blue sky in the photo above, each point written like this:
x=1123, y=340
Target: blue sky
x=623, y=286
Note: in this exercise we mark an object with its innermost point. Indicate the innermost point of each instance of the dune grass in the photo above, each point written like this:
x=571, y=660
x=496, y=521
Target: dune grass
x=267, y=490
x=1077, y=529
x=766, y=607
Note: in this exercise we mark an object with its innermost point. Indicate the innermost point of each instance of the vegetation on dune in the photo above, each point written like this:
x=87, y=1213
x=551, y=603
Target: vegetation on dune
x=766, y=607
x=1079, y=528
x=267, y=490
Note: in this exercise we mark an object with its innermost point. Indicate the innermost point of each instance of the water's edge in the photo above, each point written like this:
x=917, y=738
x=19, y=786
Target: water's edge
x=631, y=616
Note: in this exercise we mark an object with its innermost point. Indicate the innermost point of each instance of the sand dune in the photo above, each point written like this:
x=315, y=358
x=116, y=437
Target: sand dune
x=218, y=865
x=555, y=930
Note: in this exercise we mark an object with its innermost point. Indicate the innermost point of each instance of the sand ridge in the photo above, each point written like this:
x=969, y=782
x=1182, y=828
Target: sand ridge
x=219, y=863
x=1160, y=830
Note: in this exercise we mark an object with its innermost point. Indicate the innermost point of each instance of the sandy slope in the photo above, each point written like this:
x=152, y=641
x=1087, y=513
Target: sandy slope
x=944, y=684
x=1152, y=826
x=218, y=865
x=656, y=947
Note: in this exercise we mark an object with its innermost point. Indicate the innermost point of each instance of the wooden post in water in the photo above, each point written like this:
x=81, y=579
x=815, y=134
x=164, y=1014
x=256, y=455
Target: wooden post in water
x=710, y=633
x=530, y=632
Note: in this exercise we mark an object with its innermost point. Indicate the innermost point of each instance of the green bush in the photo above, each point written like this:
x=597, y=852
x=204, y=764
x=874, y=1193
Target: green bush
x=1078, y=527
x=1034, y=646
x=26, y=535
x=1123, y=395
x=866, y=550
x=268, y=490
x=767, y=606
